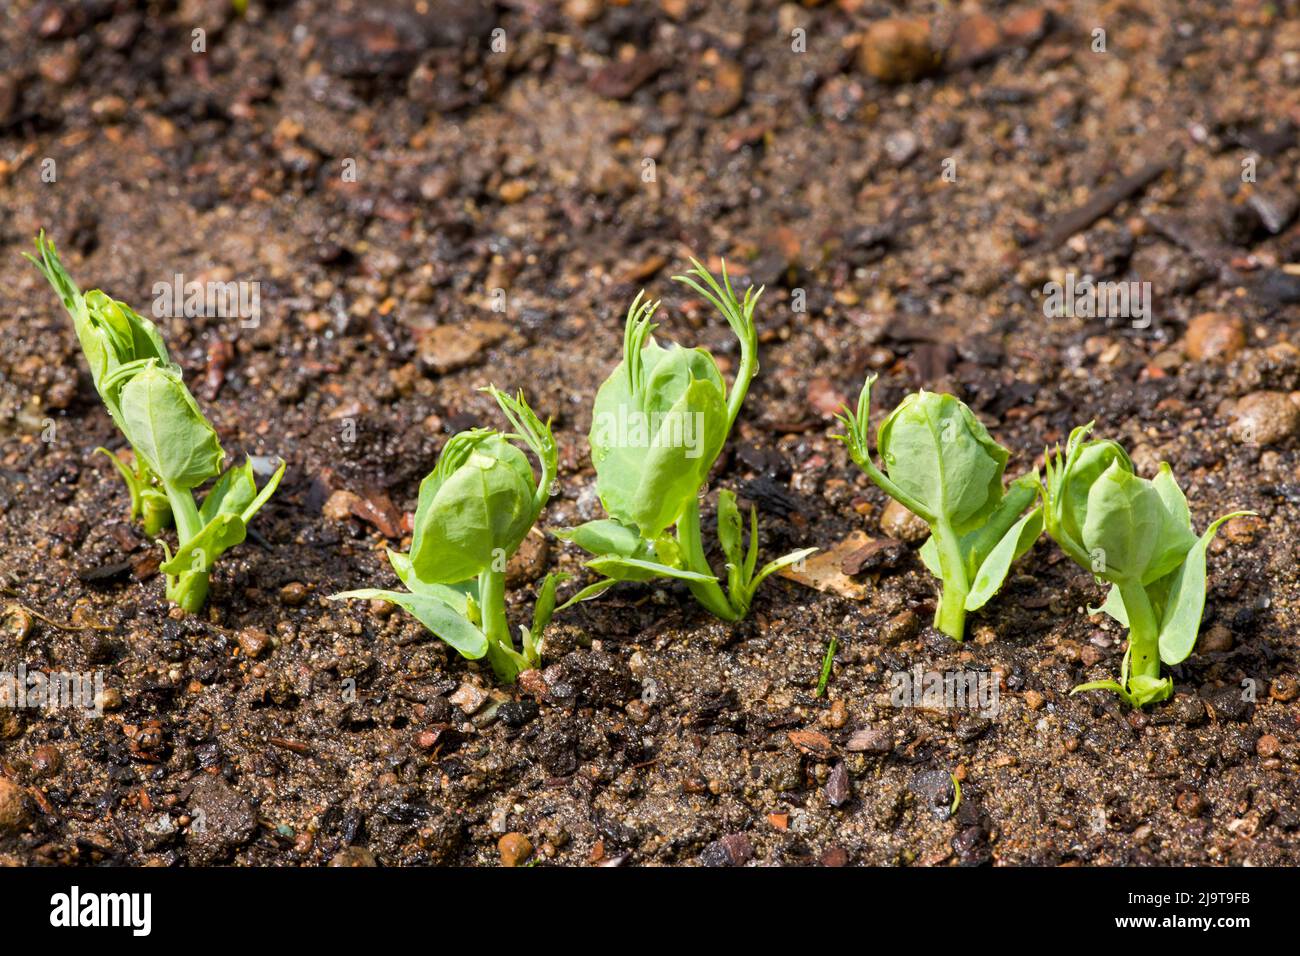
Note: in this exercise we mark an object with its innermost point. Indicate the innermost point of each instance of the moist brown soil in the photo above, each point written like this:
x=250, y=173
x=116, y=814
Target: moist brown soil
x=592, y=156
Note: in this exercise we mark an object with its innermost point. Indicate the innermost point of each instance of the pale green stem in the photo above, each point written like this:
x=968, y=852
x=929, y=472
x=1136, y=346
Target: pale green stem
x=950, y=616
x=501, y=653
x=708, y=593
x=745, y=375
x=189, y=589
x=1143, y=631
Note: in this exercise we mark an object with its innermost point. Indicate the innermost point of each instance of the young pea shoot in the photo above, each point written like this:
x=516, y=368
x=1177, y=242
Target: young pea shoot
x=475, y=508
x=1136, y=534
x=176, y=448
x=112, y=335
x=942, y=464
x=658, y=424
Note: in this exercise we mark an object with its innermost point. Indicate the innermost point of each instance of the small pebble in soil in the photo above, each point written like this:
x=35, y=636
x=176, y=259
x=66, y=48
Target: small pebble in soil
x=1284, y=688
x=871, y=740
x=810, y=742
x=532, y=682
x=1188, y=709
x=353, y=856
x=17, y=623
x=838, y=787
x=110, y=699
x=517, y=713
x=838, y=714
x=515, y=849
x=293, y=594
x=902, y=147
x=469, y=698
x=1265, y=418
x=1229, y=704
x=1214, y=337
x=734, y=849
x=834, y=856
x=897, y=522
x=897, y=50
x=254, y=642
x=1243, y=530
x=13, y=812
x=1267, y=746
x=1034, y=700
x=903, y=626
x=935, y=791
x=46, y=760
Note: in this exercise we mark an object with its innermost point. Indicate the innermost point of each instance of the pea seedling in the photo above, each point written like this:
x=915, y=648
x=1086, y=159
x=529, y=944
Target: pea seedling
x=658, y=424
x=942, y=464
x=112, y=334
x=1137, y=535
x=474, y=510
x=176, y=448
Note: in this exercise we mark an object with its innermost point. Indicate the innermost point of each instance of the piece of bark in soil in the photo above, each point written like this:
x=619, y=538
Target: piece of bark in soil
x=1103, y=201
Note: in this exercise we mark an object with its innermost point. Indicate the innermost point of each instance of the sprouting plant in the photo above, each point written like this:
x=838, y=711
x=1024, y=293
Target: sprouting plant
x=942, y=464
x=1137, y=535
x=176, y=448
x=112, y=334
x=475, y=508
x=658, y=424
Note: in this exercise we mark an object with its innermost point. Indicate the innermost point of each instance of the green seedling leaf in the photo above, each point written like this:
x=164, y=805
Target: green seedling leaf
x=136, y=485
x=458, y=597
x=464, y=637
x=1185, y=603
x=231, y=493
x=589, y=592
x=731, y=529
x=263, y=496
x=482, y=498
x=1113, y=606
x=476, y=516
x=634, y=569
x=607, y=536
x=828, y=660
x=1122, y=524
x=654, y=440
x=751, y=556
x=1069, y=478
x=1145, y=689
x=1175, y=537
x=993, y=572
x=940, y=455
x=731, y=534
x=534, y=637
x=545, y=606
x=929, y=555
x=1110, y=685
x=200, y=553
x=785, y=561
x=165, y=427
